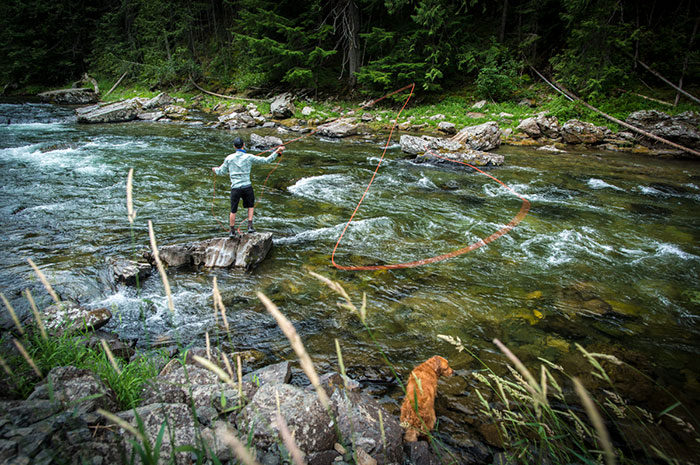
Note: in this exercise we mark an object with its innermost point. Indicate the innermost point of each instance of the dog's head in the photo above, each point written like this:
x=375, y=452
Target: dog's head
x=441, y=366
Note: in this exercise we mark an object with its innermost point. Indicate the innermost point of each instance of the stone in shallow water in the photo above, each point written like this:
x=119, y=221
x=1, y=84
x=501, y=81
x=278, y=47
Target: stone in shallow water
x=244, y=252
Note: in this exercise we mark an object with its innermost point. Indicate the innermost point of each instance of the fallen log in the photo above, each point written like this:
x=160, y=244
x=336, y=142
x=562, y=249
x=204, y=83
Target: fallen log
x=230, y=97
x=570, y=95
x=690, y=96
x=117, y=83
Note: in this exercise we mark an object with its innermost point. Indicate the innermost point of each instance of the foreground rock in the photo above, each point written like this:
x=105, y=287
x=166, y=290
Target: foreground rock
x=69, y=317
x=244, y=252
x=436, y=150
x=80, y=96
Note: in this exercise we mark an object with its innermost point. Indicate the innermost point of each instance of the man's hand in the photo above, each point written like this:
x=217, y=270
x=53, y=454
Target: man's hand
x=213, y=168
x=281, y=148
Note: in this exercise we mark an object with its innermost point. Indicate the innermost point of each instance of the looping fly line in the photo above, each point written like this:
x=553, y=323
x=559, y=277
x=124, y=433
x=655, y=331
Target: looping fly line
x=524, y=208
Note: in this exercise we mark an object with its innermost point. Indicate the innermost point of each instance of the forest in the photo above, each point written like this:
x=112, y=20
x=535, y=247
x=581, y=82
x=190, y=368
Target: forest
x=594, y=47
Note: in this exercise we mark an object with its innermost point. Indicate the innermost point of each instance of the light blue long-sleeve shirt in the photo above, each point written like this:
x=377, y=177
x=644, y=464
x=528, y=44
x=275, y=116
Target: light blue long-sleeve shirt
x=238, y=165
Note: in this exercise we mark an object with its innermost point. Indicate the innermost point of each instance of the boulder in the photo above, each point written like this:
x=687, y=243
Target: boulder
x=358, y=422
x=159, y=101
x=75, y=389
x=244, y=252
x=306, y=111
x=180, y=430
x=580, y=132
x=117, y=112
x=127, y=272
x=237, y=120
x=447, y=127
x=264, y=142
x=175, y=112
x=485, y=136
x=539, y=126
x=681, y=129
x=68, y=317
x=70, y=96
x=342, y=127
x=282, y=106
x=437, y=151
x=306, y=418
x=479, y=105
x=151, y=115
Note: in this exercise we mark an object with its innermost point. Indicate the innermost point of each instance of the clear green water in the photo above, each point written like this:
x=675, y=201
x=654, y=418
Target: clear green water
x=606, y=231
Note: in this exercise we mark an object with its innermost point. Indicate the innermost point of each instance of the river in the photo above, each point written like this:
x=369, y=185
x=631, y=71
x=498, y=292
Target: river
x=608, y=256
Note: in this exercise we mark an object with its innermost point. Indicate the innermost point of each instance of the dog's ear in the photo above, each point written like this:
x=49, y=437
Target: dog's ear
x=444, y=367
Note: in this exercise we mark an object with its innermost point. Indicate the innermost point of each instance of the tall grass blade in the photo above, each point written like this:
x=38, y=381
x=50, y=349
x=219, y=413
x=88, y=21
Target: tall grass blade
x=12, y=313
x=110, y=356
x=131, y=214
x=6, y=368
x=215, y=369
x=290, y=444
x=597, y=420
x=239, y=449
x=37, y=315
x=27, y=357
x=295, y=341
x=161, y=268
x=44, y=281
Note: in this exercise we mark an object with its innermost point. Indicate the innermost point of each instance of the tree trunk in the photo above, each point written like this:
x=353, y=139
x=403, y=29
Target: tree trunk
x=685, y=62
x=504, y=15
x=353, y=42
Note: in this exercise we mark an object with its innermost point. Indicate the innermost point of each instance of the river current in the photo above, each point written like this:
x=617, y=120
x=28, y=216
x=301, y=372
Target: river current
x=608, y=257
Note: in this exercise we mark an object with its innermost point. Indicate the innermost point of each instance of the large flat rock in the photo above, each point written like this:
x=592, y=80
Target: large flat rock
x=244, y=252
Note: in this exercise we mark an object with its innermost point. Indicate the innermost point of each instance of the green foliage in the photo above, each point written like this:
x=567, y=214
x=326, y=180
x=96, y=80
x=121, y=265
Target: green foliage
x=74, y=350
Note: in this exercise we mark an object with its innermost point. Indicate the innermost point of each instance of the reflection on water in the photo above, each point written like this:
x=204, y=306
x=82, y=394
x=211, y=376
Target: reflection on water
x=608, y=257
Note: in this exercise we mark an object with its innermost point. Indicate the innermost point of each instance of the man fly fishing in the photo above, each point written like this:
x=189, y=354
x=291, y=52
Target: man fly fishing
x=238, y=165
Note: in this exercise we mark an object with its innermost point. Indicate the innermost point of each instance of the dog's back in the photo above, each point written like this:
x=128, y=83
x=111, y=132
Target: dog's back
x=418, y=408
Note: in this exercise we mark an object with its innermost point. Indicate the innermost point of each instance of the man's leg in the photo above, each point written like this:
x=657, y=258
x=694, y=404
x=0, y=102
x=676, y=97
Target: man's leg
x=232, y=220
x=251, y=229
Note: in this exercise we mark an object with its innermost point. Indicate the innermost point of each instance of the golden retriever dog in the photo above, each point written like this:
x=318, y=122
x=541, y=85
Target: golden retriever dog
x=418, y=408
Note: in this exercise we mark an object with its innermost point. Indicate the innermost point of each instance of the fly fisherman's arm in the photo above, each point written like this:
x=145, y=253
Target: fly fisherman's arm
x=270, y=158
x=219, y=169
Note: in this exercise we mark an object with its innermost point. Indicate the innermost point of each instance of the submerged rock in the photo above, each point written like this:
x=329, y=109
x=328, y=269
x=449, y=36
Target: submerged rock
x=244, y=252
x=127, y=272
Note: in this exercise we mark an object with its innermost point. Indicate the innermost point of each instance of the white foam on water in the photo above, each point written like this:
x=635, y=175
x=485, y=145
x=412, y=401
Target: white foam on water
x=378, y=228
x=565, y=246
x=426, y=183
x=64, y=159
x=326, y=188
x=664, y=249
x=595, y=183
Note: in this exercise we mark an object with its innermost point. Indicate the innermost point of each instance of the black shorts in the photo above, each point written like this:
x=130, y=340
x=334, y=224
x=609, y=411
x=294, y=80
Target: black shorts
x=246, y=193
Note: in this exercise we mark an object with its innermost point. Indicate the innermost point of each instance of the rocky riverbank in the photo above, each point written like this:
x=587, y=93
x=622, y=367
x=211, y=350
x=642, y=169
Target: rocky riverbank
x=538, y=129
